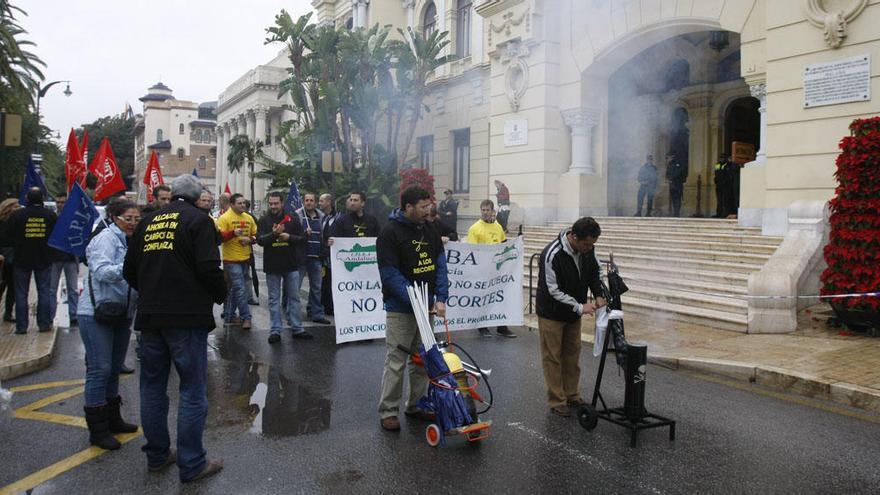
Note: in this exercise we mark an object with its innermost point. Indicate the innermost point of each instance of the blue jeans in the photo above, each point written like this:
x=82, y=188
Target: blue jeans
x=105, y=354
x=313, y=268
x=187, y=349
x=237, y=296
x=44, y=297
x=71, y=280
x=294, y=307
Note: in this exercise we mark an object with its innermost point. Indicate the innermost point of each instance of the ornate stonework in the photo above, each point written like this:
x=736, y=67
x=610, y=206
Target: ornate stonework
x=832, y=21
x=516, y=76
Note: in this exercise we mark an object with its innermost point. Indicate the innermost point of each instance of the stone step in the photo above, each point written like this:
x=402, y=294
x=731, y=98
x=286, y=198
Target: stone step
x=697, y=223
x=668, y=252
x=625, y=259
x=722, y=320
x=669, y=234
x=720, y=285
x=687, y=243
x=734, y=279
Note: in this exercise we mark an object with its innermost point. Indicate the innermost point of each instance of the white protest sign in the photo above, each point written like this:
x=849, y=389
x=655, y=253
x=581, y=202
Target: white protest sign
x=485, y=285
x=357, y=290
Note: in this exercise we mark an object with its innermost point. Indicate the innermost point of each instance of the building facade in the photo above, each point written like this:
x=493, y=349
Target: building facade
x=562, y=100
x=182, y=133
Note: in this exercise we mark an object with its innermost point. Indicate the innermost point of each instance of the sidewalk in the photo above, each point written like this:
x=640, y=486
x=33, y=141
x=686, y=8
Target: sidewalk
x=23, y=354
x=814, y=361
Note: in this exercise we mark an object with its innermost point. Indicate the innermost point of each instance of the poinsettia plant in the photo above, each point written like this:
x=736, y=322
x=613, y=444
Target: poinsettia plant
x=853, y=250
x=417, y=177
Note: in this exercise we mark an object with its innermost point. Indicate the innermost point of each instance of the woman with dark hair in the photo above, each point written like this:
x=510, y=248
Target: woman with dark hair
x=6, y=208
x=104, y=314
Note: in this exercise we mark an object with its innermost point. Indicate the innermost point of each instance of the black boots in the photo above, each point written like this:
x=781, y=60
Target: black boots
x=104, y=421
x=99, y=428
x=117, y=425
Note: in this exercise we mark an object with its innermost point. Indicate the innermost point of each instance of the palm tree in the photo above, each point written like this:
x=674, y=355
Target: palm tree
x=241, y=150
x=19, y=68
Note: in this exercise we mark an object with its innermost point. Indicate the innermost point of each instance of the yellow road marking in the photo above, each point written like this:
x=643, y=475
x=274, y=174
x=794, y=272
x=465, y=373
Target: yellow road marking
x=35, y=479
x=815, y=404
x=32, y=412
x=43, y=386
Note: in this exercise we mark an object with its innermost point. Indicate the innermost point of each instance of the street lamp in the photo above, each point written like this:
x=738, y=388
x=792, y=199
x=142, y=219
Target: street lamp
x=41, y=92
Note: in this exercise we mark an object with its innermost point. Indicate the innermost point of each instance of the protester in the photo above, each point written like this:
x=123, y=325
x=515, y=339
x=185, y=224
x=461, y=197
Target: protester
x=568, y=267
x=179, y=280
x=280, y=235
x=325, y=203
x=647, y=186
x=161, y=197
x=488, y=231
x=448, y=210
x=7, y=283
x=67, y=264
x=355, y=223
x=408, y=251
x=676, y=174
x=502, y=195
x=30, y=228
x=445, y=232
x=206, y=201
x=105, y=333
x=223, y=202
x=311, y=219
x=238, y=230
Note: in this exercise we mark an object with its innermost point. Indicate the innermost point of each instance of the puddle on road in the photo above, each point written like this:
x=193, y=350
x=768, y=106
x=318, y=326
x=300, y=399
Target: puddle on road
x=242, y=390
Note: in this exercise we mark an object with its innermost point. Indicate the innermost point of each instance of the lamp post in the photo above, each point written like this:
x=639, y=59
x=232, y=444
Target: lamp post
x=41, y=92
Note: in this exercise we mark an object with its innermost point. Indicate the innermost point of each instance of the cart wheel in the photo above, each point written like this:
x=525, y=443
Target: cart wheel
x=587, y=417
x=873, y=332
x=432, y=435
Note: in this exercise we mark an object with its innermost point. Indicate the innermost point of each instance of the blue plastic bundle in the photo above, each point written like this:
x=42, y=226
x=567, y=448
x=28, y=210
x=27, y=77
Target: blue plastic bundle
x=444, y=399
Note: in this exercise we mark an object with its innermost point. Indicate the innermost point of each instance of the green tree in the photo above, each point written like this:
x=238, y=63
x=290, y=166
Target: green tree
x=19, y=68
x=244, y=151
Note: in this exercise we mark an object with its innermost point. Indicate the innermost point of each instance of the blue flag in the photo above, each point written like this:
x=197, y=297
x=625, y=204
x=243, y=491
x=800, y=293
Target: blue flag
x=32, y=178
x=294, y=200
x=71, y=233
x=196, y=174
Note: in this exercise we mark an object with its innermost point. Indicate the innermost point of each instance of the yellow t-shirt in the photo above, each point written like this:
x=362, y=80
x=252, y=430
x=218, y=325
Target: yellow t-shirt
x=486, y=233
x=229, y=221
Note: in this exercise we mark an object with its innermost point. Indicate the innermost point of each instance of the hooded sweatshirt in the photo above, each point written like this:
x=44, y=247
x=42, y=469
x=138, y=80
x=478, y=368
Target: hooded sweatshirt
x=410, y=252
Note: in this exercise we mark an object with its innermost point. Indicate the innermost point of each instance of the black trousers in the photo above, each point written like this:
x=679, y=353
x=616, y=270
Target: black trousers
x=676, y=190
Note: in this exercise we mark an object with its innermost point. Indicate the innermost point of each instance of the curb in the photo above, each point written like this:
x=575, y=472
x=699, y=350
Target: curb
x=32, y=364
x=778, y=379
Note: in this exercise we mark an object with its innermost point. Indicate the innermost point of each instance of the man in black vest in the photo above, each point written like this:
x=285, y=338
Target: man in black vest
x=30, y=228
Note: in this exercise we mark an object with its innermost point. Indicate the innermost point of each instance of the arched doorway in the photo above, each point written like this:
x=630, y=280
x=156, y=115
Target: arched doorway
x=664, y=99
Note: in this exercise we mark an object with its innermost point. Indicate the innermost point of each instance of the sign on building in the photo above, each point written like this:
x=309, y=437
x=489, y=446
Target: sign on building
x=839, y=81
x=516, y=132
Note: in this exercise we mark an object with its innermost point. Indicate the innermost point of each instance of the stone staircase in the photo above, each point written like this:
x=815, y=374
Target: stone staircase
x=676, y=268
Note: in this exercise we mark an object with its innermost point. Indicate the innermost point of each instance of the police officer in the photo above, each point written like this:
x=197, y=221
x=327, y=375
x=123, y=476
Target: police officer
x=676, y=174
x=174, y=264
x=722, y=185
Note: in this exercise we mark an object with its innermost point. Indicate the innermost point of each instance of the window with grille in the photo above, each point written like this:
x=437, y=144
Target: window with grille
x=461, y=160
x=463, y=28
x=429, y=22
x=426, y=153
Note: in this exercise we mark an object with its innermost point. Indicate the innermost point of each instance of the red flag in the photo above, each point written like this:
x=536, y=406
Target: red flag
x=227, y=190
x=105, y=169
x=84, y=149
x=153, y=175
x=74, y=167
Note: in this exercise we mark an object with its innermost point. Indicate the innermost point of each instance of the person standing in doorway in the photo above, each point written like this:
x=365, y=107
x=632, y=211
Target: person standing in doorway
x=647, y=186
x=676, y=175
x=487, y=230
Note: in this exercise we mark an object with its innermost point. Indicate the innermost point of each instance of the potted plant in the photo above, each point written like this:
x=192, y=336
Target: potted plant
x=853, y=250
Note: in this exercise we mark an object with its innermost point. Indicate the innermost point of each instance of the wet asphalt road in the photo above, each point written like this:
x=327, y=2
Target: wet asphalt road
x=300, y=417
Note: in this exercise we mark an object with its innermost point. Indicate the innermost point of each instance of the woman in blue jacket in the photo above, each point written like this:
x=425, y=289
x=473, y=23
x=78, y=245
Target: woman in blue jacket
x=106, y=342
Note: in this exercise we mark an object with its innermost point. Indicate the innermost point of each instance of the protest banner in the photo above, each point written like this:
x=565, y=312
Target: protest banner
x=485, y=287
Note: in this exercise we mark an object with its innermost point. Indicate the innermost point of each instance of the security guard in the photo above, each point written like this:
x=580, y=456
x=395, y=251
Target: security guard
x=722, y=185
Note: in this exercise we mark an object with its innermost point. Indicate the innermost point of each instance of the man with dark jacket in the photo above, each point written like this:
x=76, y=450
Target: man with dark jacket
x=30, y=228
x=408, y=251
x=568, y=267
x=647, y=186
x=676, y=174
x=722, y=179
x=325, y=204
x=161, y=197
x=355, y=223
x=173, y=263
x=311, y=219
x=448, y=211
x=67, y=264
x=280, y=235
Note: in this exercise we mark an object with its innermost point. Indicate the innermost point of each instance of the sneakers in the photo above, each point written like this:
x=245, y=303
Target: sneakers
x=20, y=331
x=172, y=459
x=391, y=423
x=302, y=334
x=46, y=329
x=212, y=467
x=274, y=338
x=484, y=332
x=421, y=414
x=562, y=410
x=246, y=325
x=322, y=321
x=505, y=332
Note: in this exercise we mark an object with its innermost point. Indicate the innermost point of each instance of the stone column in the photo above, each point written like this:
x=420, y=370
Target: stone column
x=581, y=121
x=359, y=13
x=410, y=6
x=219, y=165
x=245, y=128
x=759, y=91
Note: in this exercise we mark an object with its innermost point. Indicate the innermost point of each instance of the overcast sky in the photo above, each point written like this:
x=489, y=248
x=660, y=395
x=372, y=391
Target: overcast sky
x=112, y=51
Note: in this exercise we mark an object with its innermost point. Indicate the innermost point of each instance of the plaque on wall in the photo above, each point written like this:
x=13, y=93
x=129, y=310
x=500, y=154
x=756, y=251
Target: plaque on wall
x=516, y=132
x=839, y=81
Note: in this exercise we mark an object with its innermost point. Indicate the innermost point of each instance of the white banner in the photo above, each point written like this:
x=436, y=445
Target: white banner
x=485, y=287
x=357, y=289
